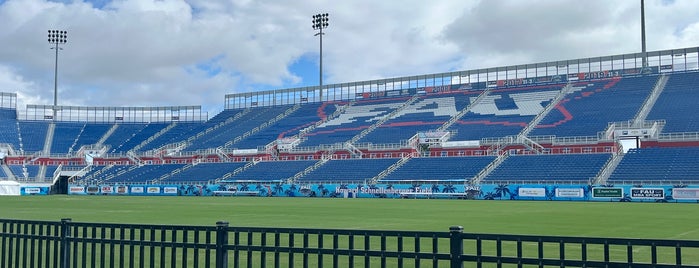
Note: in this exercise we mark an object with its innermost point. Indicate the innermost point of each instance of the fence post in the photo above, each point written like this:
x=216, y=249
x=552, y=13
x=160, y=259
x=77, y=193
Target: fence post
x=221, y=243
x=456, y=246
x=65, y=245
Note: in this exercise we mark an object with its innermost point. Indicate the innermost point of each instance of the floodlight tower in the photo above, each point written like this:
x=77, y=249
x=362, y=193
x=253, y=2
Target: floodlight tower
x=643, y=34
x=320, y=22
x=56, y=37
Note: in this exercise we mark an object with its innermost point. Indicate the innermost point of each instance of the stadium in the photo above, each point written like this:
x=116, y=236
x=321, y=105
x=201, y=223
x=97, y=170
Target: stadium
x=141, y=186
x=618, y=127
x=613, y=128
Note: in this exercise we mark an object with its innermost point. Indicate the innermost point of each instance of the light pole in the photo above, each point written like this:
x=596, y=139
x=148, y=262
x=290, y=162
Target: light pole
x=56, y=37
x=320, y=22
x=643, y=34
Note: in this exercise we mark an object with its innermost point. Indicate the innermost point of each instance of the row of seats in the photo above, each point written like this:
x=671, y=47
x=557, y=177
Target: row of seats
x=677, y=104
x=656, y=164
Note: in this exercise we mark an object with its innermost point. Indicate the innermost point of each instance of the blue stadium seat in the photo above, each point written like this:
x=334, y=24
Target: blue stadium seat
x=677, y=104
x=440, y=169
x=594, y=105
x=550, y=167
x=658, y=164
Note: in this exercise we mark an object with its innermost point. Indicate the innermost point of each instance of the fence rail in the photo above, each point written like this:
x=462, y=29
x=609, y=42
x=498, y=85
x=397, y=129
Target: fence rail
x=72, y=244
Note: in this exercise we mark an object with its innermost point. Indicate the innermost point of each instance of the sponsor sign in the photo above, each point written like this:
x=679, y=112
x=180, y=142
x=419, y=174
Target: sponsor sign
x=93, y=189
x=448, y=144
x=685, y=193
x=602, y=192
x=374, y=94
x=569, y=192
x=76, y=189
x=532, y=192
x=170, y=190
x=648, y=193
x=107, y=189
x=600, y=74
x=137, y=189
x=121, y=189
x=153, y=190
x=515, y=82
x=32, y=190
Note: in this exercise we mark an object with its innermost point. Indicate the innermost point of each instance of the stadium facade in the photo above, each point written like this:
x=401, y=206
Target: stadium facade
x=611, y=128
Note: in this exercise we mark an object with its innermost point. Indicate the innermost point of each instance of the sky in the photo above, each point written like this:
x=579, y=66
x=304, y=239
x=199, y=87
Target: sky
x=129, y=53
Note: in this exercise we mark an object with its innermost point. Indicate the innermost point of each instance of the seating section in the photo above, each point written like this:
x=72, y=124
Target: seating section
x=656, y=164
x=91, y=134
x=145, y=173
x=677, y=104
x=122, y=134
x=8, y=114
x=594, y=105
x=139, y=137
x=504, y=112
x=32, y=135
x=25, y=171
x=428, y=113
x=586, y=110
x=204, y=172
x=349, y=170
x=303, y=117
x=549, y=167
x=440, y=168
x=9, y=133
x=220, y=136
x=64, y=136
x=356, y=118
x=179, y=133
x=272, y=171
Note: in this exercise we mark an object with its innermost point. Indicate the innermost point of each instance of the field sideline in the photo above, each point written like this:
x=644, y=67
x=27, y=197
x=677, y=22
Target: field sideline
x=596, y=219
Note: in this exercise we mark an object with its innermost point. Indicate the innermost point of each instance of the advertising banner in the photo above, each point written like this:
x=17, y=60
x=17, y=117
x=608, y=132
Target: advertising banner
x=648, y=193
x=605, y=192
x=136, y=189
x=569, y=192
x=685, y=193
x=532, y=192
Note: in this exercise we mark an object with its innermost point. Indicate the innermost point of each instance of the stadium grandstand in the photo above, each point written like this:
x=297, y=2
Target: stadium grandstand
x=538, y=128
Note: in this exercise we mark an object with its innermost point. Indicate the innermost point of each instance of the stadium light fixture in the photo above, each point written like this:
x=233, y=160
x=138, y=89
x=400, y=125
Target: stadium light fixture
x=320, y=22
x=56, y=37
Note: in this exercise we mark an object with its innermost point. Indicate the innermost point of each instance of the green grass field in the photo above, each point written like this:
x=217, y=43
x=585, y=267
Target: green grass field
x=596, y=219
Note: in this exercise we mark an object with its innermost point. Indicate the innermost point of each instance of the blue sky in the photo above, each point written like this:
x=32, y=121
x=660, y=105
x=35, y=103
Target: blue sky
x=193, y=52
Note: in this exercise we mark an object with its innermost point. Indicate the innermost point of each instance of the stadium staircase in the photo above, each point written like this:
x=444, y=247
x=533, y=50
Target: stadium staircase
x=172, y=173
x=476, y=180
x=236, y=171
x=222, y=154
x=390, y=169
x=155, y=136
x=262, y=126
x=42, y=173
x=106, y=135
x=650, y=101
x=334, y=115
x=561, y=94
x=8, y=172
x=463, y=112
x=134, y=157
x=383, y=120
x=609, y=167
x=94, y=175
x=310, y=169
x=219, y=125
x=49, y=138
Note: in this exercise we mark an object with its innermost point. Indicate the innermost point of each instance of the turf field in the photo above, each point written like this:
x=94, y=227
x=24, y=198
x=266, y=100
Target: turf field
x=597, y=219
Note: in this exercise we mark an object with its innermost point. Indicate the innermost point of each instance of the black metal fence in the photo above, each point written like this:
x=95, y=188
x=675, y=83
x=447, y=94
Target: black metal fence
x=71, y=244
